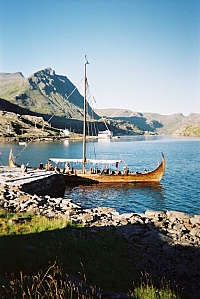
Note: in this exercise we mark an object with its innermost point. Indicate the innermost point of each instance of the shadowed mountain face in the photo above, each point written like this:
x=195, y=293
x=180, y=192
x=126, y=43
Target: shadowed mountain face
x=153, y=122
x=60, y=122
x=44, y=92
x=47, y=94
x=142, y=123
x=56, y=121
x=7, y=106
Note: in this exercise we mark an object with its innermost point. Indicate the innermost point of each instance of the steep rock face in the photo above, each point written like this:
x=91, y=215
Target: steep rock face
x=44, y=92
x=55, y=90
x=49, y=94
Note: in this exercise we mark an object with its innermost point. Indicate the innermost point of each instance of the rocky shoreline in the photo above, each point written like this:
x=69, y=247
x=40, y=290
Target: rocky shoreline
x=167, y=243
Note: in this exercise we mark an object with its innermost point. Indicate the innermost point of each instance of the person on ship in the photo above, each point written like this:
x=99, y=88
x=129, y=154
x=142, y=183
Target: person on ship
x=23, y=168
x=50, y=167
x=126, y=170
x=67, y=168
x=41, y=166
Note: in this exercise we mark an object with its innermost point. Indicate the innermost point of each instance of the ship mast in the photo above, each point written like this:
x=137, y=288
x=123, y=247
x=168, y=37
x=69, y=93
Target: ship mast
x=84, y=118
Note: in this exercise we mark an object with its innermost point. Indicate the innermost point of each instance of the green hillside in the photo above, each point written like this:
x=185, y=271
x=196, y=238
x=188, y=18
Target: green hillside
x=12, y=84
x=44, y=92
x=192, y=131
x=55, y=98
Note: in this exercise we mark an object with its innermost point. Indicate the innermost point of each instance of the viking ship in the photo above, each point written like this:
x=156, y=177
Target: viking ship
x=104, y=175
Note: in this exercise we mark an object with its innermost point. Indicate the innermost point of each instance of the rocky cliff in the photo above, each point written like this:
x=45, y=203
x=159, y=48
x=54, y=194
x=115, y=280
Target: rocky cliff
x=46, y=94
x=43, y=92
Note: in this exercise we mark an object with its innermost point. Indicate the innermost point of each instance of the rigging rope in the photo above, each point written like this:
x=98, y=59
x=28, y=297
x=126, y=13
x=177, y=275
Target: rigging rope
x=52, y=115
x=22, y=149
x=67, y=97
x=90, y=124
x=92, y=100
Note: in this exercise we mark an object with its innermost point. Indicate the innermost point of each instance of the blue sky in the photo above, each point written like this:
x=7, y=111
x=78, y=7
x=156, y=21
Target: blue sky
x=144, y=54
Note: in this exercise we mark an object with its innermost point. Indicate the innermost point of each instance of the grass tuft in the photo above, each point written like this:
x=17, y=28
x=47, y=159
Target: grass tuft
x=54, y=284
x=147, y=290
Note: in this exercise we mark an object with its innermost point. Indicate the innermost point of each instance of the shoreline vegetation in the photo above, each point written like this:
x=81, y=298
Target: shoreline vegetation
x=24, y=126
x=60, y=137
x=42, y=138
x=98, y=253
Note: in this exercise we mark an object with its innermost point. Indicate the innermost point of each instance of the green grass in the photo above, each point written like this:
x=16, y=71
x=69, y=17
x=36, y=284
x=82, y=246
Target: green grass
x=10, y=89
x=36, y=244
x=147, y=290
x=100, y=258
x=27, y=224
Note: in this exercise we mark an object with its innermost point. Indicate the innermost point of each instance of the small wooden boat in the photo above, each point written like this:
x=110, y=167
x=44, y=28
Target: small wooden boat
x=85, y=176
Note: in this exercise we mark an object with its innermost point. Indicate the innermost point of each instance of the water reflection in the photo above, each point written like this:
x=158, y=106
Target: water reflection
x=124, y=198
x=106, y=140
x=66, y=142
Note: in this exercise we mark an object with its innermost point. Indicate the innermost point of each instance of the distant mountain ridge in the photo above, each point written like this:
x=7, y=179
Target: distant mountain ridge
x=153, y=122
x=46, y=94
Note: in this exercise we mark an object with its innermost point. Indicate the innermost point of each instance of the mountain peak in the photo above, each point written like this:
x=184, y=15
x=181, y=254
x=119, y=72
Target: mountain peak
x=47, y=71
x=45, y=92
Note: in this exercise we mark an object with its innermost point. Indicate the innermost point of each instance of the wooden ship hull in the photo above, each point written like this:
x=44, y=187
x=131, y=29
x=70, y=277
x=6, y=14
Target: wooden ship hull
x=87, y=178
x=153, y=176
x=11, y=161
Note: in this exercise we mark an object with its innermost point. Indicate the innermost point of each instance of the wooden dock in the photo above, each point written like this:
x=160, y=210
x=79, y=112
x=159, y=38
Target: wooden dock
x=34, y=181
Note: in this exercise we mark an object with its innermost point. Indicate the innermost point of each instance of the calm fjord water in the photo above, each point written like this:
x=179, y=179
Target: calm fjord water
x=179, y=189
